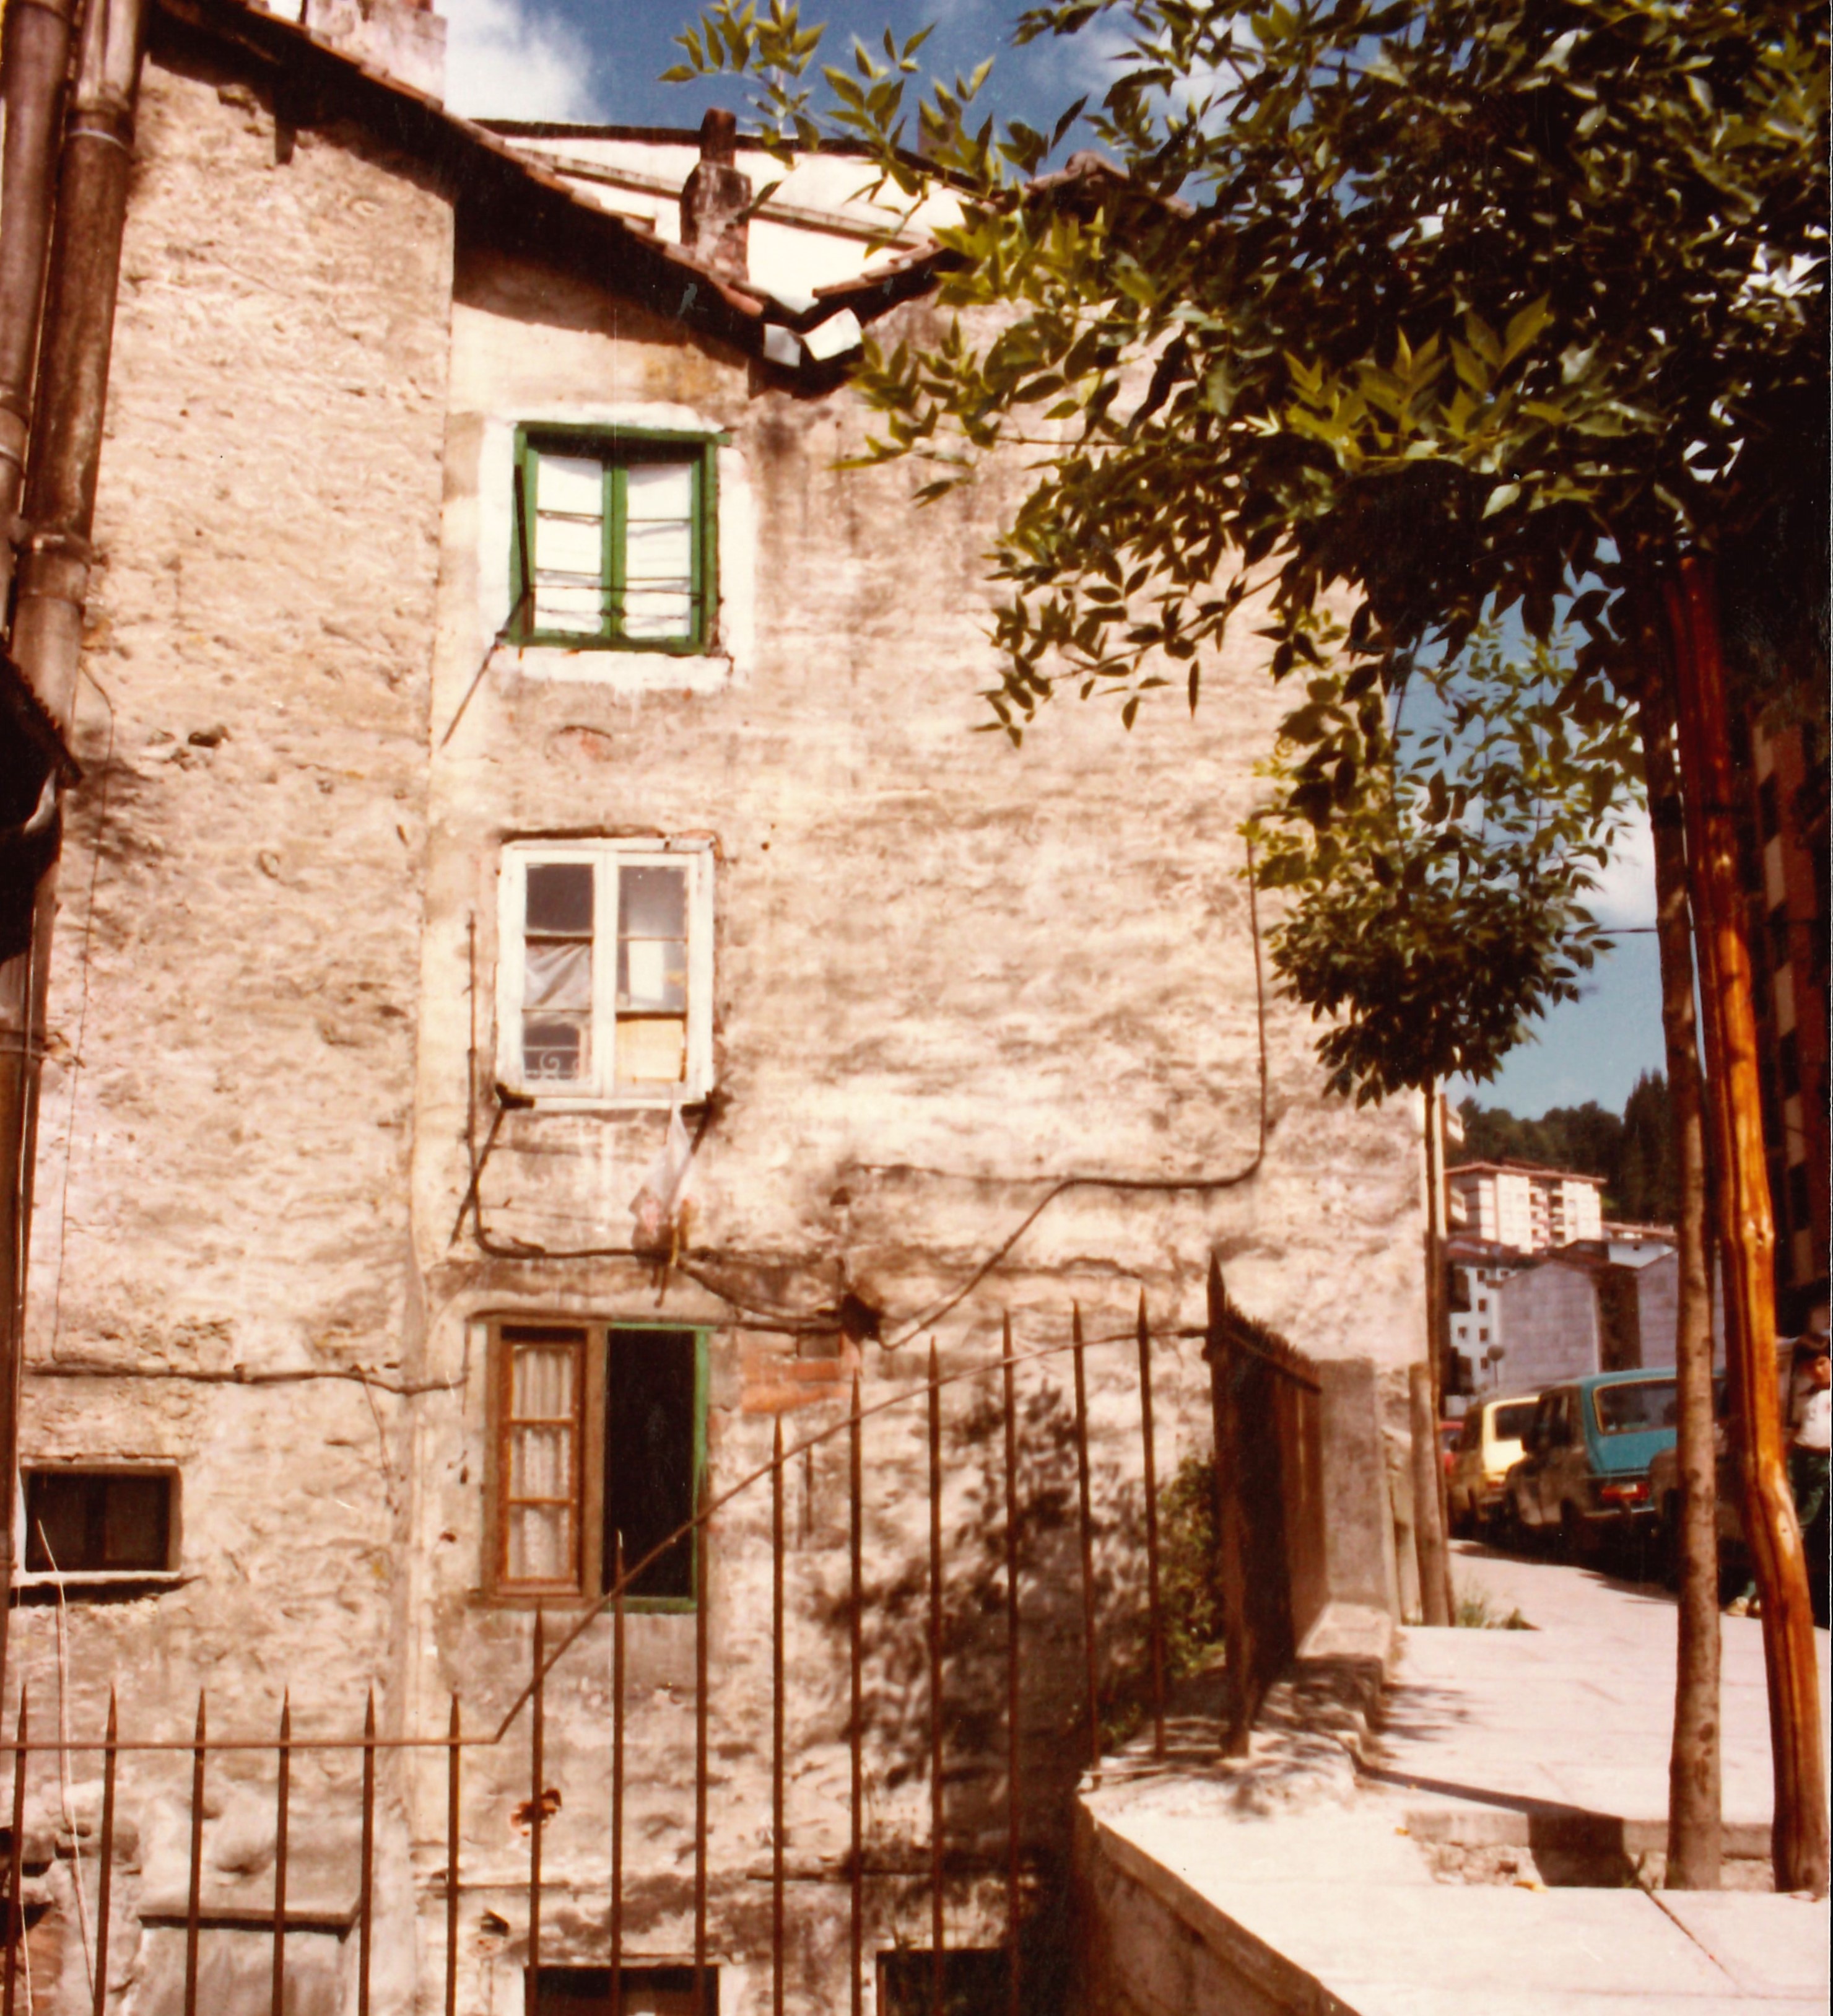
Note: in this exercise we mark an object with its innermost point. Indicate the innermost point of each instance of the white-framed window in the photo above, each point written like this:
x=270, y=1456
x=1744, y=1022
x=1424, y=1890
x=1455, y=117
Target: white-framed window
x=605, y=979
x=98, y=1522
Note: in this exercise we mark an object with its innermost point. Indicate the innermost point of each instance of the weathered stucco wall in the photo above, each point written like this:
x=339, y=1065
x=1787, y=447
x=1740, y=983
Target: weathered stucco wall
x=947, y=974
x=222, y=1188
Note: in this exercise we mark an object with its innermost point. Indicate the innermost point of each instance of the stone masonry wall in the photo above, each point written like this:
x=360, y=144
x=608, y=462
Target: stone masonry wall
x=227, y=1108
x=947, y=975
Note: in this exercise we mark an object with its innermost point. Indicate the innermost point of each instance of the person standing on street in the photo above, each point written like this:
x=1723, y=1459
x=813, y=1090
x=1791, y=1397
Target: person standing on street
x=1807, y=1470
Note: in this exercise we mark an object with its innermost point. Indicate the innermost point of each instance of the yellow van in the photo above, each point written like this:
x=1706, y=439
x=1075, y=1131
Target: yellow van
x=1489, y=1445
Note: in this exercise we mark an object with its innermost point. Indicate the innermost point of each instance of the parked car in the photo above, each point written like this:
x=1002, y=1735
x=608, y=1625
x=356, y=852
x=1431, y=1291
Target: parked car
x=1664, y=1485
x=1583, y=1474
x=1489, y=1446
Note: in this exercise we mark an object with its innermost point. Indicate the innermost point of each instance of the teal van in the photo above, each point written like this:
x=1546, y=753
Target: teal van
x=1583, y=1473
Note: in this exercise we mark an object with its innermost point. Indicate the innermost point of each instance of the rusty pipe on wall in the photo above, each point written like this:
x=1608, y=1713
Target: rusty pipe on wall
x=72, y=393
x=62, y=458
x=35, y=62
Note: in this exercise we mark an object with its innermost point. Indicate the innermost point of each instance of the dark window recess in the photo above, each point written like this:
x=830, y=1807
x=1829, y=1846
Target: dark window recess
x=1788, y=1063
x=1800, y=1210
x=1769, y=806
x=1779, y=936
x=648, y=1991
x=78, y=1522
x=973, y=1983
x=649, y=1453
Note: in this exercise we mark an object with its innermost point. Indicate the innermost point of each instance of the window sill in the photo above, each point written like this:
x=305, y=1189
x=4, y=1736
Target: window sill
x=35, y=1586
x=571, y=1600
x=680, y=1099
x=618, y=669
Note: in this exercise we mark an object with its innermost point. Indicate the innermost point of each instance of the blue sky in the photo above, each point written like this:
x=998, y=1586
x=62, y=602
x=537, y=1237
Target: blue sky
x=602, y=59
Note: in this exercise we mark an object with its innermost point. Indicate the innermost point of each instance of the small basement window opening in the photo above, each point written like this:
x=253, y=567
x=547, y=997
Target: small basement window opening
x=601, y=1430
x=648, y=1991
x=99, y=1522
x=974, y=1982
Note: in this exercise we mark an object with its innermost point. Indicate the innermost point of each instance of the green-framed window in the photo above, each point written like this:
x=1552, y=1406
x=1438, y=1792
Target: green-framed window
x=614, y=545
x=601, y=1430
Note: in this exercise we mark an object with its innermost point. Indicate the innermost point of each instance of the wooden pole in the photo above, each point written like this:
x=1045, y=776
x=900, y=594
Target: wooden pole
x=1747, y=1238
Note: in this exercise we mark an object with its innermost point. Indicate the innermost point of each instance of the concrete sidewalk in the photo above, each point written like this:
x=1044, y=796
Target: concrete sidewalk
x=1535, y=1760
x=1577, y=1713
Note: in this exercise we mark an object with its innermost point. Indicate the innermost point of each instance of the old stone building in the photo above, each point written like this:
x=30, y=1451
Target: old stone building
x=547, y=986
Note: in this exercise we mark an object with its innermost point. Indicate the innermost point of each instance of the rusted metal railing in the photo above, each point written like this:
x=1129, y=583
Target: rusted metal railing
x=1265, y=1395
x=1250, y=1641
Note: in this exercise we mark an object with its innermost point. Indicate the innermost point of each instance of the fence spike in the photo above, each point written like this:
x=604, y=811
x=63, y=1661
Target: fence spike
x=194, y=1901
x=366, y=1881
x=617, y=1671
x=776, y=1731
x=277, y=1999
x=856, y=1728
x=105, y=1878
x=1091, y=1656
x=937, y=1965
x=1154, y=1614
x=1014, y=1805
x=618, y=1779
x=453, y=1742
x=16, y=1917
x=702, y=1606
x=537, y=1734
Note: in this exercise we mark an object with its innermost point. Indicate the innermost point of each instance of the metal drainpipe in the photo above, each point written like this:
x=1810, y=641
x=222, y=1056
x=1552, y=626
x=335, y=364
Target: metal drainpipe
x=34, y=60
x=53, y=574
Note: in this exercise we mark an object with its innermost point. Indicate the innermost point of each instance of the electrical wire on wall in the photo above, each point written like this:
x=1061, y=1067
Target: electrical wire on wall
x=693, y=1262
x=76, y=1063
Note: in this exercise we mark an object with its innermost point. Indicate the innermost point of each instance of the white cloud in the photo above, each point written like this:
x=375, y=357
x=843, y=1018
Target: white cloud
x=505, y=60
x=1626, y=891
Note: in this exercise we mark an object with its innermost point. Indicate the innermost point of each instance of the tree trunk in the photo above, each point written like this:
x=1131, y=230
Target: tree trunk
x=1428, y=1532
x=1694, y=1803
x=1747, y=1235
x=1425, y=1395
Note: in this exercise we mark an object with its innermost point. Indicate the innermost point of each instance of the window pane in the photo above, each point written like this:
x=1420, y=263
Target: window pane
x=540, y=1463
x=555, y=1051
x=662, y=554
x=659, y=550
x=570, y=548
x=541, y=1457
x=558, y=975
x=580, y=610
x=649, y=1450
x=653, y=972
x=571, y=483
x=652, y=902
x=659, y=490
x=542, y=1387
x=651, y=939
x=139, y=1531
x=651, y=1049
x=560, y=898
x=657, y=612
x=540, y=1546
x=569, y=543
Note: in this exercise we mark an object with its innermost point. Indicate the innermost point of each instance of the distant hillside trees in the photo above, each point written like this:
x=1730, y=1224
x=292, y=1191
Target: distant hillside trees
x=1632, y=1151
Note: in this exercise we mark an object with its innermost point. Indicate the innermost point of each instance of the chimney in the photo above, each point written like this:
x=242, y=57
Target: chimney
x=716, y=198
x=405, y=39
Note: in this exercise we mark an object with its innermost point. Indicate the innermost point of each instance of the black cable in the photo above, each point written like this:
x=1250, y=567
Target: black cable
x=823, y=1322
